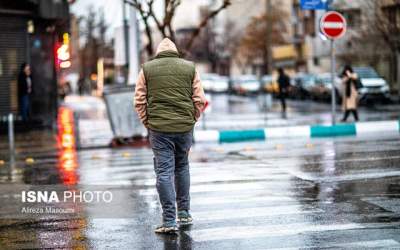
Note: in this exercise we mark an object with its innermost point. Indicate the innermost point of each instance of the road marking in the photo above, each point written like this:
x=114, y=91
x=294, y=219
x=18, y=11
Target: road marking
x=248, y=232
x=389, y=204
x=227, y=187
x=227, y=214
x=365, y=244
x=197, y=201
x=380, y=173
x=219, y=177
x=284, y=163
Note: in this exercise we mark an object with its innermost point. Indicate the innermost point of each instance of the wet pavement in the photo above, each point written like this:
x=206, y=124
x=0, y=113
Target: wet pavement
x=260, y=195
x=284, y=194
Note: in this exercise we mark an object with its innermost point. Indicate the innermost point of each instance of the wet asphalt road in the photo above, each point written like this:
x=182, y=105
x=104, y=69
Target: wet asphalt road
x=284, y=194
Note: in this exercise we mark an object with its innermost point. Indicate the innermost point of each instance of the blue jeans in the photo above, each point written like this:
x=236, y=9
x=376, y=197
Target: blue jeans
x=25, y=107
x=171, y=165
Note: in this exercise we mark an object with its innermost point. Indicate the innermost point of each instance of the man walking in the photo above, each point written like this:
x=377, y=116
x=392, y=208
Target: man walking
x=169, y=99
x=284, y=84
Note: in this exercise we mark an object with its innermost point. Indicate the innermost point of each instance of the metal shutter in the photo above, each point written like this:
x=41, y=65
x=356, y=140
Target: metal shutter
x=13, y=45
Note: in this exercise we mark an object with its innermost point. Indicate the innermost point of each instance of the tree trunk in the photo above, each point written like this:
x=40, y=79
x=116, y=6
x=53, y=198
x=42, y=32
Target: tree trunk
x=266, y=65
x=398, y=72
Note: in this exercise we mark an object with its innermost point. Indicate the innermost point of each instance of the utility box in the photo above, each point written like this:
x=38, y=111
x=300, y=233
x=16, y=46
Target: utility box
x=124, y=121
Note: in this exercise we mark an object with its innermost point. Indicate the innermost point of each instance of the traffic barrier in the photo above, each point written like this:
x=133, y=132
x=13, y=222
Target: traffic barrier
x=312, y=131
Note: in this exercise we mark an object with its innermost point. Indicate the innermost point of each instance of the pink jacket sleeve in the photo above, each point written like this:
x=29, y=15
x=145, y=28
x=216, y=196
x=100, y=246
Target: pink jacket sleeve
x=140, y=101
x=198, y=97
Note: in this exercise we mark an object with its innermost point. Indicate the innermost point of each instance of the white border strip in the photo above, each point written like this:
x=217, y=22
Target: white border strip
x=206, y=136
x=304, y=131
x=296, y=131
x=374, y=127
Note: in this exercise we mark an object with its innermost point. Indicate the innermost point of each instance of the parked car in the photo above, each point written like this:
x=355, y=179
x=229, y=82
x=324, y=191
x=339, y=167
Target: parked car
x=207, y=80
x=374, y=86
x=246, y=84
x=270, y=84
x=214, y=82
x=221, y=84
x=302, y=84
x=322, y=89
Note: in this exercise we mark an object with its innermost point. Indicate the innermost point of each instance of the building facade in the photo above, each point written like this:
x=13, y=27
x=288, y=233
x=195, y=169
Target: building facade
x=29, y=32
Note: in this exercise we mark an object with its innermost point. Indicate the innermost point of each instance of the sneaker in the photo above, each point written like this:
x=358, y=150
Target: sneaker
x=166, y=229
x=184, y=218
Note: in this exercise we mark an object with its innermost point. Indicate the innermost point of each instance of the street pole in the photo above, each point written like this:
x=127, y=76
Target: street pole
x=398, y=73
x=11, y=138
x=333, y=67
x=126, y=40
x=268, y=38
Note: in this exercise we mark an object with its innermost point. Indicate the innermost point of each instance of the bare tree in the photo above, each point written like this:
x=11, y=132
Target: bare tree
x=93, y=32
x=164, y=25
x=379, y=35
x=253, y=44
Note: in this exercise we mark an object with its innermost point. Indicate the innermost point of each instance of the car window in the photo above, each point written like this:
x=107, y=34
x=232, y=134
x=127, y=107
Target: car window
x=250, y=81
x=308, y=80
x=366, y=73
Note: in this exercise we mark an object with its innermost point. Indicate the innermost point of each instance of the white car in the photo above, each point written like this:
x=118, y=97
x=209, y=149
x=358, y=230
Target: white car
x=246, y=84
x=214, y=83
x=207, y=80
x=372, y=84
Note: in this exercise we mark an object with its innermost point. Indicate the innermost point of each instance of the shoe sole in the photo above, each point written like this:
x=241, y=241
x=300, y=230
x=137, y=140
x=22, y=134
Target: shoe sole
x=168, y=230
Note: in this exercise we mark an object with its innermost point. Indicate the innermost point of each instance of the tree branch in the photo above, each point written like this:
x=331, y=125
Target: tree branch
x=145, y=16
x=204, y=22
x=160, y=26
x=169, y=12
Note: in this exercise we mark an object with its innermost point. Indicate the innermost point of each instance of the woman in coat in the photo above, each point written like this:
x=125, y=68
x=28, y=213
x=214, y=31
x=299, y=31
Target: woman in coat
x=350, y=94
x=25, y=87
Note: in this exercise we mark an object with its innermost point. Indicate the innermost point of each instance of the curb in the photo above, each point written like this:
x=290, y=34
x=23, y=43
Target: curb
x=313, y=131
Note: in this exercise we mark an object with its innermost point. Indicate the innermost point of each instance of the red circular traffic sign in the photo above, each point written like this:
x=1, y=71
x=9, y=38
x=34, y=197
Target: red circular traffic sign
x=333, y=25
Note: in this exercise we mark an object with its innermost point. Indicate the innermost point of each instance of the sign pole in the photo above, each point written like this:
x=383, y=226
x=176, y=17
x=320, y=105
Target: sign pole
x=333, y=26
x=333, y=67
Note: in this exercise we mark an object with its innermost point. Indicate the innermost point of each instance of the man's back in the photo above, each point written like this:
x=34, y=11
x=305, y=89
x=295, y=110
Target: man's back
x=168, y=95
x=169, y=89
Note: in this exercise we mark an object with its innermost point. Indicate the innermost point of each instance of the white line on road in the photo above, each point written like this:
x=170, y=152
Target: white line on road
x=275, y=187
x=389, y=243
x=227, y=214
x=239, y=199
x=379, y=173
x=248, y=232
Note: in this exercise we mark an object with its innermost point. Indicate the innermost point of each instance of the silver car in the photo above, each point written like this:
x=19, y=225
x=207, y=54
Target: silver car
x=373, y=86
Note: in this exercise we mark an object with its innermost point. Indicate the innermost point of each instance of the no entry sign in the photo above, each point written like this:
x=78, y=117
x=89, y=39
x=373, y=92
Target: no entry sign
x=333, y=25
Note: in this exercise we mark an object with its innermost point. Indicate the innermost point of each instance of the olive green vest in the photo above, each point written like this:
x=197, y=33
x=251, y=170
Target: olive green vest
x=169, y=82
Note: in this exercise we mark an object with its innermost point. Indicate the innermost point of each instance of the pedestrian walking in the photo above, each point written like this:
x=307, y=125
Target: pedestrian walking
x=25, y=89
x=169, y=99
x=350, y=84
x=81, y=86
x=284, y=84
